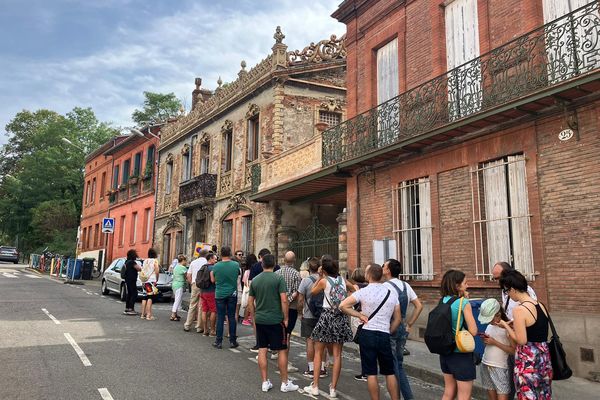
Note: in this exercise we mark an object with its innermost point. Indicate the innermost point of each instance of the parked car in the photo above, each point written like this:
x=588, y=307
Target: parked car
x=8, y=253
x=113, y=283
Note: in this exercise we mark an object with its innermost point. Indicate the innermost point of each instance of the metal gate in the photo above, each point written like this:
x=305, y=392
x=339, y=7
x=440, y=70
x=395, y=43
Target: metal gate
x=314, y=241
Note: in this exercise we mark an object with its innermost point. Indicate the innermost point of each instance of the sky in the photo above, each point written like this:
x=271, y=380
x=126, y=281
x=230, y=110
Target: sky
x=103, y=54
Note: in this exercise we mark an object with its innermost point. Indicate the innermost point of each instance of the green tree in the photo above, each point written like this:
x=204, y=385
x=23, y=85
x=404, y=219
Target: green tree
x=158, y=107
x=44, y=170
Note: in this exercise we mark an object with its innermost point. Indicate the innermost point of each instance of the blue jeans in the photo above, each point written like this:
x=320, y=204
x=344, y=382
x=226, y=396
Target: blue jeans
x=398, y=340
x=226, y=306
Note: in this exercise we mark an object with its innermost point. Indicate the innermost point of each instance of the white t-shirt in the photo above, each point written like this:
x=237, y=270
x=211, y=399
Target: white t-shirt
x=512, y=304
x=409, y=291
x=494, y=356
x=148, y=268
x=195, y=267
x=370, y=297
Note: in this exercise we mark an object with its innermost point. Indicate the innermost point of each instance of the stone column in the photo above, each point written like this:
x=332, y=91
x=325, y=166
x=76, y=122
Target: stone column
x=343, y=242
x=285, y=235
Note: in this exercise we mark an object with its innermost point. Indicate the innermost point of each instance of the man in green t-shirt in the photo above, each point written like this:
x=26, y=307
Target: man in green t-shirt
x=225, y=275
x=268, y=303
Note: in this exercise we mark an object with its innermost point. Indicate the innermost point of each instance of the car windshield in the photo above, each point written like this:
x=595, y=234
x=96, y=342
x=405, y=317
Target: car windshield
x=5, y=248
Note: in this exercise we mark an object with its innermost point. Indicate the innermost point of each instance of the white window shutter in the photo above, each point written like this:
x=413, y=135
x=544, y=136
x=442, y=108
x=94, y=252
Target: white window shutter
x=425, y=231
x=522, y=255
x=378, y=252
x=387, y=72
x=496, y=212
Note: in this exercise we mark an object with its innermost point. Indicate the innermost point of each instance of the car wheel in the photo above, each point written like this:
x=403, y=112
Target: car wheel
x=104, y=288
x=123, y=292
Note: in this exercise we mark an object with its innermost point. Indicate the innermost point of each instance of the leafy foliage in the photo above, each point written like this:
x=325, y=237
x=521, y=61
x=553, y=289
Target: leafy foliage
x=158, y=107
x=41, y=184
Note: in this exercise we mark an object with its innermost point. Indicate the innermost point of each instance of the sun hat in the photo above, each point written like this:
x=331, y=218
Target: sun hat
x=488, y=309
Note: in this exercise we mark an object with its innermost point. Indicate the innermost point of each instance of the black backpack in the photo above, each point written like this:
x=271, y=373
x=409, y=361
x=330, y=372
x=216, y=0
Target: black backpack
x=203, y=277
x=439, y=337
x=315, y=302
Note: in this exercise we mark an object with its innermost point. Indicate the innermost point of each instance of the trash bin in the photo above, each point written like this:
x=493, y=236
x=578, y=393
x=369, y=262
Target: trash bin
x=74, y=269
x=479, y=345
x=86, y=269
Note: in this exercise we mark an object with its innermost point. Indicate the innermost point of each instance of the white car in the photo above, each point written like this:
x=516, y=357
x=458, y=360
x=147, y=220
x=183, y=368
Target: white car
x=113, y=283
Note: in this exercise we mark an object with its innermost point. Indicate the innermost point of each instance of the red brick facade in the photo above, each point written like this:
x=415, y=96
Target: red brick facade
x=562, y=177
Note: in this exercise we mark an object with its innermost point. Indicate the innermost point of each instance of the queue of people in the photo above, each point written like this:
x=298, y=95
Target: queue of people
x=369, y=309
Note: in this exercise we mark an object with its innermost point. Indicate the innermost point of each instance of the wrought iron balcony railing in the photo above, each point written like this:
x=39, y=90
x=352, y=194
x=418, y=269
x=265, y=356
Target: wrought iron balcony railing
x=562, y=50
x=198, y=188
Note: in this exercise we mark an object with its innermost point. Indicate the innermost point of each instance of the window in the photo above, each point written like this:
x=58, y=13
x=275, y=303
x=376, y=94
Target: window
x=185, y=164
x=227, y=233
x=191, y=158
x=330, y=118
x=115, y=177
x=169, y=178
x=126, y=171
x=387, y=72
x=93, y=196
x=96, y=235
x=227, y=150
x=501, y=219
x=87, y=193
x=102, y=185
x=412, y=228
x=383, y=250
x=205, y=158
x=137, y=164
x=133, y=230
x=150, y=161
x=253, y=138
x=247, y=247
x=178, y=242
x=166, y=253
x=462, y=46
x=147, y=225
x=83, y=238
x=87, y=239
x=122, y=231
x=200, y=233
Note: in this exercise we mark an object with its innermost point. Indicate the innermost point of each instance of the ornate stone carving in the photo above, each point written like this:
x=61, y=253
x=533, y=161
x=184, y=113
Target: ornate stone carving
x=206, y=210
x=169, y=158
x=236, y=201
x=227, y=126
x=253, y=110
x=278, y=36
x=331, y=105
x=204, y=138
x=185, y=150
x=173, y=221
x=324, y=50
x=225, y=183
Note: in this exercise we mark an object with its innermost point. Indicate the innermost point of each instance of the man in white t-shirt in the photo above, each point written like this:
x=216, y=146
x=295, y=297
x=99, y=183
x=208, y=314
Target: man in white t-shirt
x=406, y=295
x=379, y=306
x=195, y=309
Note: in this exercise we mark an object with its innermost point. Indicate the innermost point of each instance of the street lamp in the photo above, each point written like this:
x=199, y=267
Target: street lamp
x=67, y=141
x=137, y=132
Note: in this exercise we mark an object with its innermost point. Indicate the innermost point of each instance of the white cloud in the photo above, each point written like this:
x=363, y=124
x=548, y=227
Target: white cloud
x=163, y=54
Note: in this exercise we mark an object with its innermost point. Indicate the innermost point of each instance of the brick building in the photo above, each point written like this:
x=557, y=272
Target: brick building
x=131, y=193
x=473, y=137
x=237, y=139
x=94, y=207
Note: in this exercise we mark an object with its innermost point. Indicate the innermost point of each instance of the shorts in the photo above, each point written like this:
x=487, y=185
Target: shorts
x=209, y=304
x=239, y=297
x=376, y=348
x=460, y=365
x=306, y=326
x=495, y=378
x=272, y=336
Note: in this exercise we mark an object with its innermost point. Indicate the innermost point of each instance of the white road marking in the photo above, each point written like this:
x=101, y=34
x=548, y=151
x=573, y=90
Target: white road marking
x=32, y=276
x=6, y=274
x=254, y=360
x=96, y=294
x=105, y=394
x=86, y=362
x=57, y=322
x=235, y=350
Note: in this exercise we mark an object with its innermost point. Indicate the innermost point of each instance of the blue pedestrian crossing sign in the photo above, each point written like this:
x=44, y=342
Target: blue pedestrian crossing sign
x=108, y=225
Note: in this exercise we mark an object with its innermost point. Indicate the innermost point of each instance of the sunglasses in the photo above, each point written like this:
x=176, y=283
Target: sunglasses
x=239, y=254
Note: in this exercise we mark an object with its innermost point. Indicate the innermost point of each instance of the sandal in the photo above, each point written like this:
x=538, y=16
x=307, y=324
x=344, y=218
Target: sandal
x=173, y=319
x=152, y=318
x=143, y=317
x=177, y=318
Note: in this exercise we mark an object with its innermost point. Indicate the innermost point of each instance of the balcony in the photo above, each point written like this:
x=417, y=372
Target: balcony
x=196, y=190
x=548, y=68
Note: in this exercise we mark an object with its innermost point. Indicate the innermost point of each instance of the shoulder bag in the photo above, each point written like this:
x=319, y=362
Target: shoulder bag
x=359, y=328
x=560, y=368
x=465, y=343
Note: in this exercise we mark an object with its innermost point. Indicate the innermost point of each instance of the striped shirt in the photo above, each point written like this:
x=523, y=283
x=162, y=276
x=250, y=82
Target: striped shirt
x=292, y=280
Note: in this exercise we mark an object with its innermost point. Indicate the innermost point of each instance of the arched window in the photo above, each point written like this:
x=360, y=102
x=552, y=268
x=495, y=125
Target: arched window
x=237, y=231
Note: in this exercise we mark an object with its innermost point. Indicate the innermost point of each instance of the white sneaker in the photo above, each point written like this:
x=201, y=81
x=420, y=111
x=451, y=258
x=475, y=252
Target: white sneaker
x=267, y=385
x=332, y=392
x=288, y=386
x=274, y=356
x=310, y=389
x=291, y=368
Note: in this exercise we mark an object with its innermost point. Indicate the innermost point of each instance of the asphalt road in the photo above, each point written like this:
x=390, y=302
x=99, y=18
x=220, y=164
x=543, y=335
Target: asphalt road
x=61, y=341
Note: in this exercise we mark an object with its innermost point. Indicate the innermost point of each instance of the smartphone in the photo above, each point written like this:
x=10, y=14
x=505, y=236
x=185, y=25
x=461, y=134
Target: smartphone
x=482, y=334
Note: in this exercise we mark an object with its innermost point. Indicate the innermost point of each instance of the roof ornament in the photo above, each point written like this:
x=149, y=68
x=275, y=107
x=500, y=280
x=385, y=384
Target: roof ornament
x=278, y=36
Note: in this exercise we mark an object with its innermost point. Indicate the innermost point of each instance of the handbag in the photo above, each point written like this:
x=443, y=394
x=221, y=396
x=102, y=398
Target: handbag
x=560, y=368
x=359, y=328
x=465, y=343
